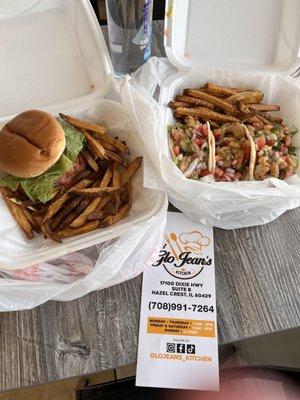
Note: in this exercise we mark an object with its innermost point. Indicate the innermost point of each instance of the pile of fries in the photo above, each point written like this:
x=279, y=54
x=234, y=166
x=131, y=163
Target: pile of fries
x=101, y=196
x=218, y=105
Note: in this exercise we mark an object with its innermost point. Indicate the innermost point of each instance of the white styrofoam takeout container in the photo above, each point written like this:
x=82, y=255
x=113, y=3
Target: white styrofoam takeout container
x=54, y=58
x=233, y=42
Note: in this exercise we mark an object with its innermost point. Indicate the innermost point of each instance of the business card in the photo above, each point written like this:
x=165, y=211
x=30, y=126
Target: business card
x=178, y=346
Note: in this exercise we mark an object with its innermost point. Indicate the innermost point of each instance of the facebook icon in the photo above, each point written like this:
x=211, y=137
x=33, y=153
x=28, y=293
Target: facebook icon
x=180, y=348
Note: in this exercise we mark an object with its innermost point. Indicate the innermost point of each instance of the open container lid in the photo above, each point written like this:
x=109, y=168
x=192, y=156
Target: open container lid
x=252, y=35
x=53, y=56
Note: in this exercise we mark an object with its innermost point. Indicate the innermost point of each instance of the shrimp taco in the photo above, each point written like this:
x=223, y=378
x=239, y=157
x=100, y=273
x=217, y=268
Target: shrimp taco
x=234, y=156
x=192, y=147
x=275, y=153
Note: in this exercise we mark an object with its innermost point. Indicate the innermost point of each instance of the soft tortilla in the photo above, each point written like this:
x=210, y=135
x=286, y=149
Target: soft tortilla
x=252, y=154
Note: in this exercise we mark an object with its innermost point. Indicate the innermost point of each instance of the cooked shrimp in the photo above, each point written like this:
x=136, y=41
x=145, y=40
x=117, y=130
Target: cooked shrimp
x=261, y=171
x=274, y=170
x=236, y=129
x=185, y=163
x=291, y=166
x=177, y=133
x=191, y=122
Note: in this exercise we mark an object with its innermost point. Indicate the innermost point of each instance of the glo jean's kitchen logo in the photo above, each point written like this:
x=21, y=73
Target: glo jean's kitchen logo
x=182, y=255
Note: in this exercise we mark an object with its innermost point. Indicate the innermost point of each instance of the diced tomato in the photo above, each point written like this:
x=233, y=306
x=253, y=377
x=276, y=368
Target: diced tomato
x=199, y=142
x=247, y=150
x=218, y=172
x=261, y=142
x=204, y=172
x=227, y=177
x=271, y=142
x=288, y=140
x=271, y=139
x=176, y=150
x=217, y=133
x=204, y=130
x=283, y=149
x=177, y=134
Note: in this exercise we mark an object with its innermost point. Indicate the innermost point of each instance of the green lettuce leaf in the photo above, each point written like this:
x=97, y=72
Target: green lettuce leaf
x=74, y=140
x=10, y=181
x=41, y=187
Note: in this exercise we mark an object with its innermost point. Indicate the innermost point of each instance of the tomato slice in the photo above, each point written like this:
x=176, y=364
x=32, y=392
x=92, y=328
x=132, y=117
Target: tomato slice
x=204, y=130
x=247, y=150
x=261, y=142
x=176, y=150
x=218, y=172
x=199, y=142
x=217, y=133
x=204, y=172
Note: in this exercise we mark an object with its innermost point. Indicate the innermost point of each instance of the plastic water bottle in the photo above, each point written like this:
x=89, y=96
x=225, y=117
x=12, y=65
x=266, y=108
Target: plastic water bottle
x=129, y=31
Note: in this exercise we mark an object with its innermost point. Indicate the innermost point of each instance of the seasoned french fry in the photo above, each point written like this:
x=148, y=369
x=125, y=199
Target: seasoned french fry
x=96, y=145
x=128, y=192
x=255, y=121
x=211, y=99
x=68, y=220
x=68, y=208
x=213, y=124
x=92, y=151
x=96, y=191
x=100, y=214
x=247, y=97
x=117, y=144
x=114, y=156
x=17, y=213
x=77, y=123
x=205, y=113
x=108, y=146
x=81, y=219
x=90, y=160
x=247, y=117
x=264, y=120
x=275, y=120
x=264, y=107
x=217, y=90
x=130, y=170
x=116, y=182
x=113, y=219
x=195, y=101
x=87, y=227
x=31, y=220
x=45, y=228
x=242, y=107
x=60, y=201
x=174, y=104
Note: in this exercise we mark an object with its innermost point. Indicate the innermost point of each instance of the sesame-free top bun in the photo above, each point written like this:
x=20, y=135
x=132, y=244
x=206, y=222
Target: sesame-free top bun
x=30, y=144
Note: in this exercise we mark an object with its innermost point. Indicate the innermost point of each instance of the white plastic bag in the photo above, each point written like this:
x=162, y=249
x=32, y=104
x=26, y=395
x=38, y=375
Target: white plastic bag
x=76, y=274
x=225, y=205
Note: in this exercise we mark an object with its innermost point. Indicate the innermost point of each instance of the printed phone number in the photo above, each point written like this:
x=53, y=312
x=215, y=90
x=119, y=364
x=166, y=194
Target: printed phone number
x=153, y=305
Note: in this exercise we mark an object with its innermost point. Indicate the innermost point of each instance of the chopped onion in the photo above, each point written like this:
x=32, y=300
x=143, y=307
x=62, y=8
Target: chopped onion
x=191, y=168
x=230, y=170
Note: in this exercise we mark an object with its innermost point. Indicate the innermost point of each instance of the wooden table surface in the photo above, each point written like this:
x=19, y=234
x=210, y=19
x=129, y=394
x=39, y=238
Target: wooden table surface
x=258, y=281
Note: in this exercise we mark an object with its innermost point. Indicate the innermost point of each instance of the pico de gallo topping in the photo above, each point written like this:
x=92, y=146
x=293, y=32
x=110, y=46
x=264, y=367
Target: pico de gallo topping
x=275, y=154
x=190, y=148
